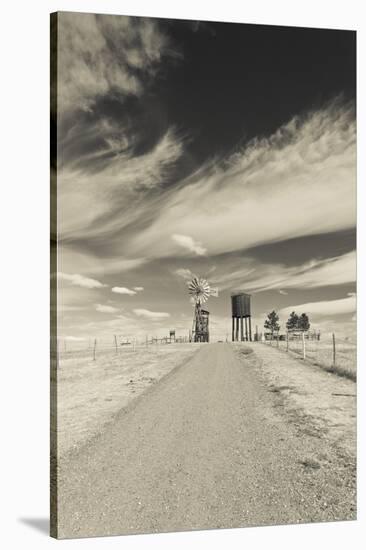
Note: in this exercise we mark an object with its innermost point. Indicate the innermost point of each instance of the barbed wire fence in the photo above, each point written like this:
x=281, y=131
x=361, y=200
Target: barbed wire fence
x=333, y=353
x=116, y=344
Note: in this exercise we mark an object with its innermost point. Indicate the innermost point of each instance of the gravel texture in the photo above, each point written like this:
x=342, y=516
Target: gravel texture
x=211, y=445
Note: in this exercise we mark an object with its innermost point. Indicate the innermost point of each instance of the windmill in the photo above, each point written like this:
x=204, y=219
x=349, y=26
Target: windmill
x=200, y=291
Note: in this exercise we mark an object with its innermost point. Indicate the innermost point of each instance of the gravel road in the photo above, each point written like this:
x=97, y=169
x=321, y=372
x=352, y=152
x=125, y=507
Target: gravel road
x=206, y=447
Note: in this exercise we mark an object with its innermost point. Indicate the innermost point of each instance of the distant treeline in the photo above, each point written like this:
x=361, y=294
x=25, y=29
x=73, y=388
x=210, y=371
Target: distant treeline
x=294, y=322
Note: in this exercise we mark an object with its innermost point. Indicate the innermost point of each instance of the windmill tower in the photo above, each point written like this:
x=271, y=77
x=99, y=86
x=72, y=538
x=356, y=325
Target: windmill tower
x=200, y=291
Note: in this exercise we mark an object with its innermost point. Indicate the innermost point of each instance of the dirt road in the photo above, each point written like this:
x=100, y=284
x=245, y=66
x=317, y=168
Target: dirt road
x=206, y=447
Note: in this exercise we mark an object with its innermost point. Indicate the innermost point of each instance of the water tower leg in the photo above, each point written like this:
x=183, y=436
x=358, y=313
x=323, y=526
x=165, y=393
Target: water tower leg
x=233, y=330
x=237, y=329
x=250, y=329
x=241, y=329
x=246, y=330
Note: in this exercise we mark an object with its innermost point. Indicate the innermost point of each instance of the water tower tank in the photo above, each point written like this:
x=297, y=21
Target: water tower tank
x=240, y=304
x=241, y=316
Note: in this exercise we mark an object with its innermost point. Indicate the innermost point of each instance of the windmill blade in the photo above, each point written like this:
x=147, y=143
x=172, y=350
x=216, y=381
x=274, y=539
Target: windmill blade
x=197, y=283
x=194, y=285
x=199, y=289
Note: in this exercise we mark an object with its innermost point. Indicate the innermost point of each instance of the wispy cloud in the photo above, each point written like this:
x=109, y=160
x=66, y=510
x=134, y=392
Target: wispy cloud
x=138, y=288
x=83, y=261
x=313, y=274
x=101, y=54
x=152, y=315
x=189, y=244
x=324, y=308
x=114, y=188
x=298, y=182
x=123, y=290
x=79, y=280
x=184, y=273
x=106, y=157
x=106, y=309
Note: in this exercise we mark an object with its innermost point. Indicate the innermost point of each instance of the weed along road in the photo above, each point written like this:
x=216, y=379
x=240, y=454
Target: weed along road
x=213, y=444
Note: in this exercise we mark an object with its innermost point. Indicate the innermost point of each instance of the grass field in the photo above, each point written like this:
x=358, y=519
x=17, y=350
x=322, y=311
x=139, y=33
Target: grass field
x=320, y=352
x=90, y=393
x=319, y=403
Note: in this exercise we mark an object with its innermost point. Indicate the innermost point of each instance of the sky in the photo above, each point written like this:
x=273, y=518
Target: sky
x=184, y=148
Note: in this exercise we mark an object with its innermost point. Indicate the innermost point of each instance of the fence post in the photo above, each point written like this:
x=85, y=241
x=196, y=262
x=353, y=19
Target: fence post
x=303, y=346
x=334, y=350
x=278, y=339
x=95, y=345
x=287, y=341
x=115, y=343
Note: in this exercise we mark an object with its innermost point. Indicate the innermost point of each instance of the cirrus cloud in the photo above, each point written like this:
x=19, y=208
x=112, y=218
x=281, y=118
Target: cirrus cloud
x=300, y=181
x=101, y=54
x=113, y=189
x=313, y=274
x=184, y=273
x=325, y=308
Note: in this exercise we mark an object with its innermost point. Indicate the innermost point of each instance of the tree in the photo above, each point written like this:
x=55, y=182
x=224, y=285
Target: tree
x=271, y=323
x=303, y=322
x=292, y=322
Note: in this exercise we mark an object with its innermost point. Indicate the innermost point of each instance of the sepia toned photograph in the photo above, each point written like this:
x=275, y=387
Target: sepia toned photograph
x=203, y=275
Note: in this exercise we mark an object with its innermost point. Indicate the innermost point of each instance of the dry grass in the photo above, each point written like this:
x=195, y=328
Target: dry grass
x=316, y=402
x=90, y=393
x=320, y=353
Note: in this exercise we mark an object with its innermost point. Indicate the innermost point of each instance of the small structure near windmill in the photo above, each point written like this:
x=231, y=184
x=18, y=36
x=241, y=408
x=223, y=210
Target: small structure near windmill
x=241, y=316
x=205, y=315
x=199, y=290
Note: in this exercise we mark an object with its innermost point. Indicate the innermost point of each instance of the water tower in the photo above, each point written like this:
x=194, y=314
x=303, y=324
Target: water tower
x=241, y=315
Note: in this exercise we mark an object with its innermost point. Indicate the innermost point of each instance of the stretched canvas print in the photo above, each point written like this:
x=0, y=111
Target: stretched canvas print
x=203, y=275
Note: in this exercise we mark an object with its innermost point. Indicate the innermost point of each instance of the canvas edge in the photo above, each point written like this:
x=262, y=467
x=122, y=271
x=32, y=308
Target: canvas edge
x=53, y=277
